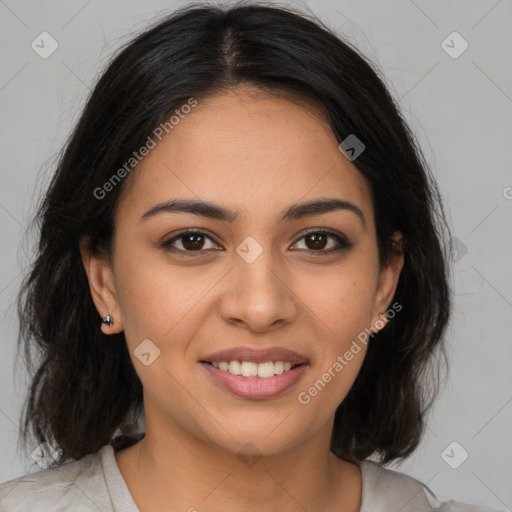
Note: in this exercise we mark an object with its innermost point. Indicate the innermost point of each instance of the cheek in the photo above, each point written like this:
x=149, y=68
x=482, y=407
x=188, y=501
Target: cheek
x=160, y=305
x=155, y=299
x=340, y=307
x=341, y=302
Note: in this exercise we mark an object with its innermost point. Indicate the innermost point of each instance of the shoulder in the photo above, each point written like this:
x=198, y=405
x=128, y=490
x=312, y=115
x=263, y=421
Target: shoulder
x=385, y=490
x=76, y=486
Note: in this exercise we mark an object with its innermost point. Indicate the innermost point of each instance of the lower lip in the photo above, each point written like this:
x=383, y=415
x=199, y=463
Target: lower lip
x=256, y=387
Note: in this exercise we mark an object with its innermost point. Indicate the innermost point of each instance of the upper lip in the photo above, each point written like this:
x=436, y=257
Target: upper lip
x=257, y=355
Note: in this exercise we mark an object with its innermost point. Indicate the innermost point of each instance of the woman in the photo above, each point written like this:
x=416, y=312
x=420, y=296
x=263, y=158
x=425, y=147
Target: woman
x=243, y=247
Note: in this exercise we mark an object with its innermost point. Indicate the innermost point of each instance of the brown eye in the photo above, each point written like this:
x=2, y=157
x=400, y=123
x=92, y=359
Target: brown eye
x=192, y=242
x=189, y=241
x=317, y=242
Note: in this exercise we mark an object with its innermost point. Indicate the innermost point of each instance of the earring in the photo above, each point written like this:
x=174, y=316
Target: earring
x=108, y=320
x=382, y=313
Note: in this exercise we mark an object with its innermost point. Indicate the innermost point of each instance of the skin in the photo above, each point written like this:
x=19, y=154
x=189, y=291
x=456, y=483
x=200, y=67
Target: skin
x=258, y=154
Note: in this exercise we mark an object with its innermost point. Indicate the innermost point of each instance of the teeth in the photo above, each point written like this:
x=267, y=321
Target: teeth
x=266, y=370
x=235, y=367
x=249, y=369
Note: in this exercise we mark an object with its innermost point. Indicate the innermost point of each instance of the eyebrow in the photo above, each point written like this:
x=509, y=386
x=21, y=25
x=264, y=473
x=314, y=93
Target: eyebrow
x=213, y=211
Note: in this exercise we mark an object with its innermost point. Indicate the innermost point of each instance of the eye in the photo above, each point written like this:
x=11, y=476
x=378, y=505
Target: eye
x=316, y=242
x=190, y=240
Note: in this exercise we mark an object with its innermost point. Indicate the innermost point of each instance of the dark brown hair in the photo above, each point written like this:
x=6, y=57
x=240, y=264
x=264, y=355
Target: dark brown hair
x=84, y=391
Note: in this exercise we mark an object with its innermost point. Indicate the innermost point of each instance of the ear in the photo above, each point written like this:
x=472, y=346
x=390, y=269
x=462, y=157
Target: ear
x=102, y=286
x=388, y=278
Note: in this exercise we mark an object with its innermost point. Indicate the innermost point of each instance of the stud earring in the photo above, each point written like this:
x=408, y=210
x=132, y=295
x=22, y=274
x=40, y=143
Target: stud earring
x=108, y=320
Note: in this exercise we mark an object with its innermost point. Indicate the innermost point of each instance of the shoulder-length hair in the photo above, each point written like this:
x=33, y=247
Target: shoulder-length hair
x=85, y=392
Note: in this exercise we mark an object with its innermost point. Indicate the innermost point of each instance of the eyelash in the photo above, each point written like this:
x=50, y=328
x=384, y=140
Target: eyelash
x=343, y=242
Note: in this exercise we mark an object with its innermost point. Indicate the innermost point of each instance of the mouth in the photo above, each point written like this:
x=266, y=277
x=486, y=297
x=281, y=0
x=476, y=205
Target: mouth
x=251, y=369
x=256, y=381
x=255, y=373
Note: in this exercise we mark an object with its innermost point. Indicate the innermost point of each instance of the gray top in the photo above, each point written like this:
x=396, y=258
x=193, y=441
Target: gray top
x=94, y=483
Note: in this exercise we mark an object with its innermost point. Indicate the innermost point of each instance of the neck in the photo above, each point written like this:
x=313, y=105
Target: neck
x=175, y=468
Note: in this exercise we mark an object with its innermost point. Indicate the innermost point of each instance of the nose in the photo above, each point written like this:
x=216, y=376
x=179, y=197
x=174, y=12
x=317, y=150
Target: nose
x=259, y=295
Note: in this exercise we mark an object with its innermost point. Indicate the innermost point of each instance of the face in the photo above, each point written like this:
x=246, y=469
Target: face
x=258, y=273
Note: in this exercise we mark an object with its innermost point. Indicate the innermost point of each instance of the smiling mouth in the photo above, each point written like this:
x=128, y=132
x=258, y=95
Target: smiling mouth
x=263, y=370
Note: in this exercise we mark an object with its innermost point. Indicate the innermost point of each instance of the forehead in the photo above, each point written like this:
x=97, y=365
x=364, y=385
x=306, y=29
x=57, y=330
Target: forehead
x=251, y=151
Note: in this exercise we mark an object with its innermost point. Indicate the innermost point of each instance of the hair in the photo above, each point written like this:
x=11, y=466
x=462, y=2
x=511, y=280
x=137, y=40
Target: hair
x=84, y=391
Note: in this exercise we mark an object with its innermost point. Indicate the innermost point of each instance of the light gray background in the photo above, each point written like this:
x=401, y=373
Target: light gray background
x=461, y=110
